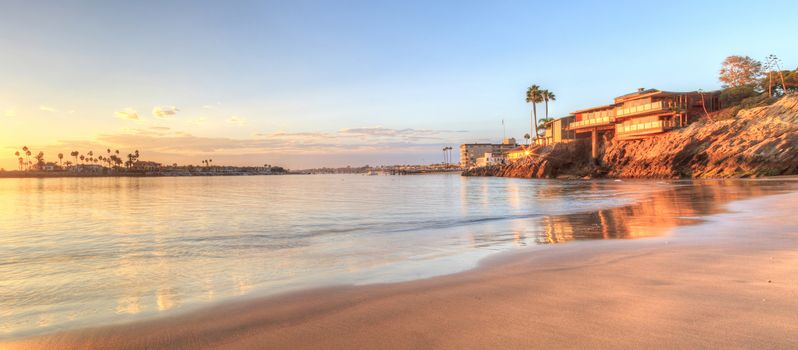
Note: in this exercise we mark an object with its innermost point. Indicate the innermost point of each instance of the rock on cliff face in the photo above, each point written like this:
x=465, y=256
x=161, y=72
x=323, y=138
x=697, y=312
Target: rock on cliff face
x=761, y=141
x=559, y=160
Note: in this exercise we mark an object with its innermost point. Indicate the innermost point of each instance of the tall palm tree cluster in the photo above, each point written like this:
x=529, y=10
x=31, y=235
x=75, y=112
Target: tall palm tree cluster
x=534, y=95
x=109, y=160
x=25, y=162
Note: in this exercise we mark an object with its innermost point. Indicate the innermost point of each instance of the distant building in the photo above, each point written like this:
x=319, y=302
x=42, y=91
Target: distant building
x=469, y=152
x=143, y=165
x=86, y=168
x=50, y=166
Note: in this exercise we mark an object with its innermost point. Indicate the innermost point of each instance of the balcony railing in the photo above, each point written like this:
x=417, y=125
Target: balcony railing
x=599, y=114
x=591, y=122
x=648, y=107
x=643, y=128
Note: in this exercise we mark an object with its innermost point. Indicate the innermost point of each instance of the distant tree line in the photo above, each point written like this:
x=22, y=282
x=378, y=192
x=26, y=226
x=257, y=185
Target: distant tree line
x=110, y=159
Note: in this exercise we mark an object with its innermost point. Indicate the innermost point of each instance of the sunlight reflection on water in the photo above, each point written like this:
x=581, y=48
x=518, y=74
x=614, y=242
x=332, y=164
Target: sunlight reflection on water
x=84, y=251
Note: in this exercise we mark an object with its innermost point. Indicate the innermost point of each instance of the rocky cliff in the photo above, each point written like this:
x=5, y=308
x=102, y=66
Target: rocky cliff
x=761, y=141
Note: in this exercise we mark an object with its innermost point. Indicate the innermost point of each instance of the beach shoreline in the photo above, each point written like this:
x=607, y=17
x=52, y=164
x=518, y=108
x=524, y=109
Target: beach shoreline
x=720, y=283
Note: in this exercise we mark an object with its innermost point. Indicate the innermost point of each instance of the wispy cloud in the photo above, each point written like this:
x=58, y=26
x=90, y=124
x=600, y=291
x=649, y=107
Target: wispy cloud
x=178, y=143
x=382, y=131
x=236, y=120
x=47, y=109
x=401, y=134
x=199, y=121
x=128, y=114
x=368, y=134
x=164, y=111
x=291, y=135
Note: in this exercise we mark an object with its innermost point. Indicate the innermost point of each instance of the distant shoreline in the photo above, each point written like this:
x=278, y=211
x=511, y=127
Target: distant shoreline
x=43, y=175
x=55, y=175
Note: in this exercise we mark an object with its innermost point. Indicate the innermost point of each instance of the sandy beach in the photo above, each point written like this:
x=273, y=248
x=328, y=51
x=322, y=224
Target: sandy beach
x=728, y=282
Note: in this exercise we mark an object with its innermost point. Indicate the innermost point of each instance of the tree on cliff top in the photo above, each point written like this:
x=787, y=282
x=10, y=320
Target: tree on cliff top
x=791, y=80
x=773, y=67
x=740, y=70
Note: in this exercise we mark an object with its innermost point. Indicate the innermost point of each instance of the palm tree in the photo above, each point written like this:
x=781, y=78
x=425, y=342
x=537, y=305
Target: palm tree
x=547, y=96
x=27, y=155
x=533, y=96
x=40, y=160
x=542, y=124
x=20, y=163
x=527, y=137
x=61, y=158
x=75, y=154
x=25, y=150
x=116, y=160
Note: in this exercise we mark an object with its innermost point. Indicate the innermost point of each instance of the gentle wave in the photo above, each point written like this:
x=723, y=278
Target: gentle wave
x=77, y=252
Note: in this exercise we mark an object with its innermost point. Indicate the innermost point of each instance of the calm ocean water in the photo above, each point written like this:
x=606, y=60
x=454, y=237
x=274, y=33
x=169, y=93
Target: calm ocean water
x=80, y=252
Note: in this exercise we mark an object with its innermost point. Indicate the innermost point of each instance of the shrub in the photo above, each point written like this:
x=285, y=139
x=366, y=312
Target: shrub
x=757, y=101
x=734, y=95
x=726, y=113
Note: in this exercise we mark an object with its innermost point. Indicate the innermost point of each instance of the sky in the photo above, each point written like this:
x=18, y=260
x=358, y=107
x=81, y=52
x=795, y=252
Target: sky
x=334, y=83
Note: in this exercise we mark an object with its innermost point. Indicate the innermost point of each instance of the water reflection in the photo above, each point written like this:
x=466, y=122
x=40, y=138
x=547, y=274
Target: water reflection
x=79, y=252
x=656, y=214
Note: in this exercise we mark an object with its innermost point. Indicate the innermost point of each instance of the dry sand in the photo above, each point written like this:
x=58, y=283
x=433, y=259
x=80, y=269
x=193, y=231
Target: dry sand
x=731, y=282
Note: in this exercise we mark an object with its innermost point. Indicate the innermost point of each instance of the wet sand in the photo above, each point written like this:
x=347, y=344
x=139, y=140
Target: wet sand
x=729, y=282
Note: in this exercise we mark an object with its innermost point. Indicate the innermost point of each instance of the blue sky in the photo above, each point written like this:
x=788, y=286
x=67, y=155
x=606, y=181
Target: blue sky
x=305, y=83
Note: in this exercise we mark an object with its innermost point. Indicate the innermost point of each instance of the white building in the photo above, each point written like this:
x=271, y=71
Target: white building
x=470, y=152
x=491, y=158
